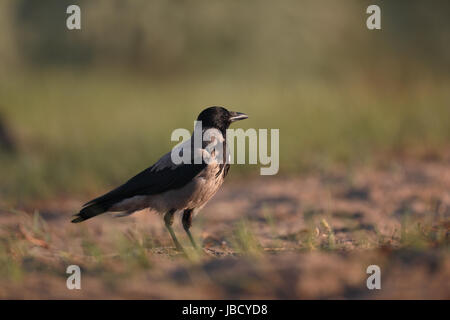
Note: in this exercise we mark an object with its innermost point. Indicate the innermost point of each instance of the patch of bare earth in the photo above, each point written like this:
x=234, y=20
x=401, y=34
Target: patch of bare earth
x=310, y=236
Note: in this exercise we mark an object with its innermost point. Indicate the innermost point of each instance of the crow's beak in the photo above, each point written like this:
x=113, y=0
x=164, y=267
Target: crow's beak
x=236, y=116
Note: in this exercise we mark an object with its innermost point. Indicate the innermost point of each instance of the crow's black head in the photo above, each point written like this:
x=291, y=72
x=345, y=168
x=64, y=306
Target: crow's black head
x=219, y=118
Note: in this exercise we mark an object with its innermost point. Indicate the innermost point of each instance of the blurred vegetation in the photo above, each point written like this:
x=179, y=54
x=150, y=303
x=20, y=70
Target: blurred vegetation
x=88, y=108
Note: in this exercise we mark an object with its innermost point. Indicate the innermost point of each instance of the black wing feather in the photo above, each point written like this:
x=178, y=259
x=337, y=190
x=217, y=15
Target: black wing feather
x=147, y=182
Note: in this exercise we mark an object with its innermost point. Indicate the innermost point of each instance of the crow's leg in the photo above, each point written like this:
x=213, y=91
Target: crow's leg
x=168, y=220
x=187, y=223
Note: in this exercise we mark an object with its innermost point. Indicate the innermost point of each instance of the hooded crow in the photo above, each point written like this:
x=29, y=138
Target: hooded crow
x=167, y=187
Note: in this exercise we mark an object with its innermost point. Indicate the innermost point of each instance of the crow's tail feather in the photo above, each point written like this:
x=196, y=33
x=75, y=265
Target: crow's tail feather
x=91, y=210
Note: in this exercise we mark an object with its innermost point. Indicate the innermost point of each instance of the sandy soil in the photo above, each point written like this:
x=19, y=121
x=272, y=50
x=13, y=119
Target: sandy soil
x=311, y=236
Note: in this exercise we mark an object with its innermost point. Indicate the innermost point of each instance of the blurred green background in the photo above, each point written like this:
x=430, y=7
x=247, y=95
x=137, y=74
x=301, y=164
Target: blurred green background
x=84, y=110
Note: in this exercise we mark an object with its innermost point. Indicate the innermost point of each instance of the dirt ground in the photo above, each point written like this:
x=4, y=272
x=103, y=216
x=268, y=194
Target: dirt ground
x=306, y=237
